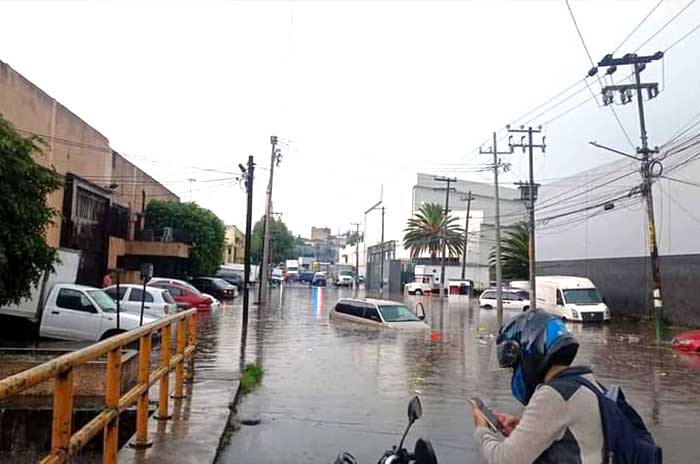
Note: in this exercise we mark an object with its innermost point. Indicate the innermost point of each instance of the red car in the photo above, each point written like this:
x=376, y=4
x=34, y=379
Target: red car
x=687, y=341
x=182, y=294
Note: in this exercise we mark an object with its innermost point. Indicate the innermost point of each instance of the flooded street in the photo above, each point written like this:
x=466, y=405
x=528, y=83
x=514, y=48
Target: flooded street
x=331, y=386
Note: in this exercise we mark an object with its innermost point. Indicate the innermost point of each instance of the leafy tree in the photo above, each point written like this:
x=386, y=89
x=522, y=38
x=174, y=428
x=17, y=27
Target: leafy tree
x=424, y=232
x=24, y=185
x=282, y=241
x=514, y=253
x=353, y=237
x=205, y=228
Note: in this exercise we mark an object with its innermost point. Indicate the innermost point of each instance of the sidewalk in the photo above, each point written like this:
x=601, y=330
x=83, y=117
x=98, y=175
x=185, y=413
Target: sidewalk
x=198, y=421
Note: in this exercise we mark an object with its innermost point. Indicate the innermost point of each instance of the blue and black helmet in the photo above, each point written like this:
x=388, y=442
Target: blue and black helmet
x=530, y=344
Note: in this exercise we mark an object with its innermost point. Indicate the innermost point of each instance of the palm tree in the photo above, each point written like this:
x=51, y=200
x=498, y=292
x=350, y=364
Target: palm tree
x=424, y=232
x=515, y=257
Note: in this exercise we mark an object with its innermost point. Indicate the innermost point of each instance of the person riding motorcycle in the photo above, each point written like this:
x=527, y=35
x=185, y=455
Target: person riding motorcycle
x=559, y=424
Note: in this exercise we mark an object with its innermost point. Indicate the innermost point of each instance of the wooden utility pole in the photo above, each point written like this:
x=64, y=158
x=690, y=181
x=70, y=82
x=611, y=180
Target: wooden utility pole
x=496, y=165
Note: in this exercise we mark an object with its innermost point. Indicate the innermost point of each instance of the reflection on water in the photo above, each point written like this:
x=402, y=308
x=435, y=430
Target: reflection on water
x=331, y=386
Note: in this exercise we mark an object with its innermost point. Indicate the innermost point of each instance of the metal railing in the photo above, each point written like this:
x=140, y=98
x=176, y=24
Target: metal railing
x=64, y=442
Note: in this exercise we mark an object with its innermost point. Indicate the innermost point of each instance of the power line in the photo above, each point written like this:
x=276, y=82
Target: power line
x=665, y=25
x=578, y=29
x=691, y=215
x=638, y=26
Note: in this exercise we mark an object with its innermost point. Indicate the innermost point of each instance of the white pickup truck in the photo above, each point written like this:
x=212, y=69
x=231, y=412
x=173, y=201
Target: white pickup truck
x=78, y=312
x=418, y=288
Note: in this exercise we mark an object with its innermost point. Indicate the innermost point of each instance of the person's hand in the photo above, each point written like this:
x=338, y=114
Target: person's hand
x=507, y=423
x=479, y=420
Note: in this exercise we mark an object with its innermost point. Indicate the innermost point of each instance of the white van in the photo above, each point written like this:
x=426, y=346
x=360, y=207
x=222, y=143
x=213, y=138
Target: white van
x=380, y=313
x=571, y=298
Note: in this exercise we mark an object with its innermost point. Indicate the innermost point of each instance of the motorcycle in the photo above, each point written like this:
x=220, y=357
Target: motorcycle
x=423, y=452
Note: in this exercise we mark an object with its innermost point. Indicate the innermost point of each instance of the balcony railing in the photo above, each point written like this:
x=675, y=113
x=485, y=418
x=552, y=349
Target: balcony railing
x=164, y=234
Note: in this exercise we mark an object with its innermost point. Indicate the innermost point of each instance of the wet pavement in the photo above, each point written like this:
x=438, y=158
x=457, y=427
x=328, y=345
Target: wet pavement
x=331, y=386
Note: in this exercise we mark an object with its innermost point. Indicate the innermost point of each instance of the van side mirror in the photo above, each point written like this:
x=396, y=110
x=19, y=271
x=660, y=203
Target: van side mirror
x=415, y=410
x=605, y=300
x=420, y=311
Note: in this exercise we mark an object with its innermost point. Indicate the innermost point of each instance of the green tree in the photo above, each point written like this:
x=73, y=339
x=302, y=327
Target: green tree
x=424, y=232
x=514, y=253
x=24, y=185
x=282, y=241
x=353, y=237
x=206, y=229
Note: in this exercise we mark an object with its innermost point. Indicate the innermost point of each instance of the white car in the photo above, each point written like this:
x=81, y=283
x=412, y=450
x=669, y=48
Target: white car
x=516, y=299
x=215, y=304
x=158, y=302
x=343, y=280
x=380, y=313
x=418, y=288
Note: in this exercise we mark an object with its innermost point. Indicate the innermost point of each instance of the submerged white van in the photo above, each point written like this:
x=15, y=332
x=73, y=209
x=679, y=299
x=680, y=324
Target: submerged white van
x=380, y=313
x=571, y=298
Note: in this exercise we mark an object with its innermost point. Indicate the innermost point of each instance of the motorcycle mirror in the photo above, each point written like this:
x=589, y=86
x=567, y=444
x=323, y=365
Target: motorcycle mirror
x=415, y=410
x=424, y=452
x=420, y=311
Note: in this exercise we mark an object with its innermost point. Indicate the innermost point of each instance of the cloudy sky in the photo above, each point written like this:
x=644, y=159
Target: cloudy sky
x=363, y=93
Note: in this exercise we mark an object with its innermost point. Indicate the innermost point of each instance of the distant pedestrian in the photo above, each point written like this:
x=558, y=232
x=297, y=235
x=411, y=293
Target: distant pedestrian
x=107, y=280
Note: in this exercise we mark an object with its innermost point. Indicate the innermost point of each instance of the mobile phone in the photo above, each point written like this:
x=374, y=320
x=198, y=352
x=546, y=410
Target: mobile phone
x=489, y=416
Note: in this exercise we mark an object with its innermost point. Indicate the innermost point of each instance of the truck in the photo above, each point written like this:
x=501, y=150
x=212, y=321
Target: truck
x=571, y=298
x=79, y=312
x=291, y=270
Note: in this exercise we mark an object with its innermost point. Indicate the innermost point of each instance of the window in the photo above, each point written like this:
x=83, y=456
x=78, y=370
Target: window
x=167, y=297
x=398, y=313
x=174, y=291
x=136, y=295
x=351, y=309
x=560, y=300
x=75, y=300
x=489, y=295
x=105, y=303
x=372, y=314
x=582, y=296
x=112, y=292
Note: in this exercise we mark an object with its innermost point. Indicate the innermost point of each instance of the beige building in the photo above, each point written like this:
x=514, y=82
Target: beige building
x=320, y=233
x=233, y=246
x=101, y=203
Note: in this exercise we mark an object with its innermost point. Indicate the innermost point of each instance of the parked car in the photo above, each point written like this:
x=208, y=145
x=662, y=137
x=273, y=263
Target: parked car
x=512, y=299
x=343, y=279
x=380, y=313
x=571, y=298
x=306, y=277
x=214, y=303
x=687, y=341
x=78, y=312
x=231, y=277
x=319, y=280
x=158, y=302
x=183, y=294
x=418, y=288
x=216, y=287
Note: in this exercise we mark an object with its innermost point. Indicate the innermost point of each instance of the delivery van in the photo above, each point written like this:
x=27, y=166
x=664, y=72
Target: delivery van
x=571, y=298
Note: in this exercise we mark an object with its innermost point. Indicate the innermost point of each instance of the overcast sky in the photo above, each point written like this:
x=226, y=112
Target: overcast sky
x=364, y=94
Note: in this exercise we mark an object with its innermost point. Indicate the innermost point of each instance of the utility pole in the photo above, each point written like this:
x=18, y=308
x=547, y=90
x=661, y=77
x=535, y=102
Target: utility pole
x=375, y=206
x=529, y=194
x=650, y=167
x=381, y=261
x=357, y=253
x=267, y=225
x=496, y=165
x=248, y=173
x=468, y=198
x=448, y=180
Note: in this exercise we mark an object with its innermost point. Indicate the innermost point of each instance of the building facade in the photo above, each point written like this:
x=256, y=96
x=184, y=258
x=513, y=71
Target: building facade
x=320, y=233
x=594, y=225
x=233, y=246
x=482, y=229
x=101, y=204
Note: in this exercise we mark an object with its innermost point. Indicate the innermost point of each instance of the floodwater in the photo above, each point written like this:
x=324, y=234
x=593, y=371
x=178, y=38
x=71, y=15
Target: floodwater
x=332, y=386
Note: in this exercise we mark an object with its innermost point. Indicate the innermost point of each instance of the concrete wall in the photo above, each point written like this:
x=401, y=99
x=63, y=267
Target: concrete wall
x=71, y=144
x=626, y=284
x=234, y=246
